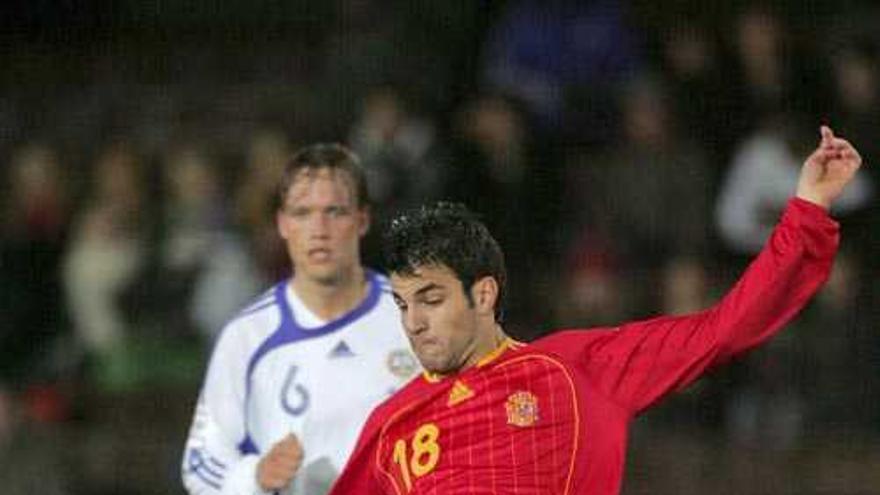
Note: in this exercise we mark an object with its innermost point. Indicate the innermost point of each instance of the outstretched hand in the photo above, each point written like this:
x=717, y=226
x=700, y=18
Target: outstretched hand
x=828, y=169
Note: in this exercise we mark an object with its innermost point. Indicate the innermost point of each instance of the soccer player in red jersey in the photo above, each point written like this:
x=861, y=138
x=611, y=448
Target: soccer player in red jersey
x=494, y=416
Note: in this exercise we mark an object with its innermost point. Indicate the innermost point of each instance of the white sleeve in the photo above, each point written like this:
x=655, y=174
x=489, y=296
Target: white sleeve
x=212, y=461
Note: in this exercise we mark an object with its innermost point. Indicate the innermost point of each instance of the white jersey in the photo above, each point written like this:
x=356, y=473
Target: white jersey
x=278, y=369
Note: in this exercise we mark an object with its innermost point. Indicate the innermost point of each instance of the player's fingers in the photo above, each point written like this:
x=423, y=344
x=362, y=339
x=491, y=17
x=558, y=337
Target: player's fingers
x=291, y=449
x=288, y=457
x=288, y=444
x=277, y=482
x=852, y=156
x=846, y=147
x=845, y=151
x=290, y=441
x=284, y=471
x=275, y=472
x=839, y=143
x=274, y=479
x=827, y=135
x=284, y=466
x=821, y=156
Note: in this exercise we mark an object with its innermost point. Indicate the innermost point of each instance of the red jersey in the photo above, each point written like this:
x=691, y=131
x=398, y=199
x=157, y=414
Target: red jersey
x=551, y=417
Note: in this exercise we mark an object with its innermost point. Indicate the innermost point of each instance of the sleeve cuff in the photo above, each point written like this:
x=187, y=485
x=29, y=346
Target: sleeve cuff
x=807, y=203
x=244, y=477
x=820, y=231
x=807, y=211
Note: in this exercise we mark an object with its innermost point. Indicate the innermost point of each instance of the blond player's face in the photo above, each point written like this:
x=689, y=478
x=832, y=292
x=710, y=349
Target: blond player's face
x=440, y=321
x=322, y=225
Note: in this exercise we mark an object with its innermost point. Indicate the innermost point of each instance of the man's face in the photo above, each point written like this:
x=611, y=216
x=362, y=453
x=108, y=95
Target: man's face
x=322, y=225
x=440, y=321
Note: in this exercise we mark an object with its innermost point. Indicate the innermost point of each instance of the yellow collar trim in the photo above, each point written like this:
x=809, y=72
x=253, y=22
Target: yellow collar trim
x=507, y=343
x=498, y=351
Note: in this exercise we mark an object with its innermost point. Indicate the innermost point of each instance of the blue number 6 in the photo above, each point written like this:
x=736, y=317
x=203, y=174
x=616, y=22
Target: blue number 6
x=303, y=403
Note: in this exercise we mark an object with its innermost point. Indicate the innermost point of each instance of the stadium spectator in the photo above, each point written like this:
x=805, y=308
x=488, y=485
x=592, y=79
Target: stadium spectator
x=770, y=72
x=33, y=232
x=702, y=99
x=199, y=272
x=253, y=200
x=396, y=147
x=495, y=164
x=104, y=255
x=618, y=201
x=856, y=64
x=563, y=58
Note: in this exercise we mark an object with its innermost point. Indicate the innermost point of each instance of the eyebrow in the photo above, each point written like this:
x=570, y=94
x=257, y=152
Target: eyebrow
x=431, y=286
x=331, y=206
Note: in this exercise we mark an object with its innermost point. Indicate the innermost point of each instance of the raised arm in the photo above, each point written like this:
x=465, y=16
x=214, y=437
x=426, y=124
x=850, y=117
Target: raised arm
x=640, y=362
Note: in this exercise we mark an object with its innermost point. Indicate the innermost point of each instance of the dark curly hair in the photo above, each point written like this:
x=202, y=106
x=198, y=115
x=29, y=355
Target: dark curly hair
x=332, y=156
x=445, y=234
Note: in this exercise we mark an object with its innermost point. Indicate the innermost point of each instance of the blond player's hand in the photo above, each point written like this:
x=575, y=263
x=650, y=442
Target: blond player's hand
x=278, y=467
x=826, y=171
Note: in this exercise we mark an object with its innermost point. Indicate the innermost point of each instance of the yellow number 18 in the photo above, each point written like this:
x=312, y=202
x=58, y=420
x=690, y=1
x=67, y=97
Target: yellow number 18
x=424, y=456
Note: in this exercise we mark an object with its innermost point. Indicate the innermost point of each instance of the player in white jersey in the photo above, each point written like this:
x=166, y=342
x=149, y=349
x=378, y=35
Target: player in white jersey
x=294, y=376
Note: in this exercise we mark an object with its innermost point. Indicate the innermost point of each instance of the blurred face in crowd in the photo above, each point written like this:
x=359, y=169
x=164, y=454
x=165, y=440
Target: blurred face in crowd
x=35, y=174
x=191, y=178
x=118, y=179
x=857, y=77
x=322, y=225
x=646, y=117
x=447, y=330
x=758, y=34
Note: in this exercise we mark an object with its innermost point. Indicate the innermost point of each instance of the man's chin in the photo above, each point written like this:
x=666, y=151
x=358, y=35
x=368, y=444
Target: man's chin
x=434, y=365
x=324, y=276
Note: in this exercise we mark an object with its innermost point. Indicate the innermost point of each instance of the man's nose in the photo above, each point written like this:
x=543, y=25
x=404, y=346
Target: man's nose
x=413, y=321
x=319, y=226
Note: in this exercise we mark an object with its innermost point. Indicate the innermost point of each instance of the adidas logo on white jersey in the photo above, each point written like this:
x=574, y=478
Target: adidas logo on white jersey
x=341, y=350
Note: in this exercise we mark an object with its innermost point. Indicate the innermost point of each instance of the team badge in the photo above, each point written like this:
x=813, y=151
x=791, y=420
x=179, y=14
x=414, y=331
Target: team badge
x=401, y=363
x=522, y=409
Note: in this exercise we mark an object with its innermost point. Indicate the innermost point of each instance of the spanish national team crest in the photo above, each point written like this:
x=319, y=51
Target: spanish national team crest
x=401, y=363
x=522, y=409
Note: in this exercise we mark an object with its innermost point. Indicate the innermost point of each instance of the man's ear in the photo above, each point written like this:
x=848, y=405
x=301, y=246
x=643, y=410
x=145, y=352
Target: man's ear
x=280, y=224
x=485, y=295
x=364, y=218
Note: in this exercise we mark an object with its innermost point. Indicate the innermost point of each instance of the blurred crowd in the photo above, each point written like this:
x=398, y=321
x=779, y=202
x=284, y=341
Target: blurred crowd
x=630, y=157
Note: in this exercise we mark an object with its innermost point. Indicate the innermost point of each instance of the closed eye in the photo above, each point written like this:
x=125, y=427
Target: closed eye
x=400, y=304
